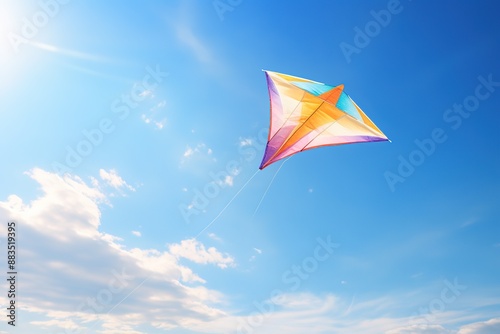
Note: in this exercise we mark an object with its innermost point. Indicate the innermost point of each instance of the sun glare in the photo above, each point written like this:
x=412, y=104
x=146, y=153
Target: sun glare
x=9, y=15
x=12, y=41
x=4, y=32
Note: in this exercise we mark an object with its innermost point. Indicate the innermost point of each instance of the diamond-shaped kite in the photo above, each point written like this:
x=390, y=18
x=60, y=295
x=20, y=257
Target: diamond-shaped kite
x=306, y=114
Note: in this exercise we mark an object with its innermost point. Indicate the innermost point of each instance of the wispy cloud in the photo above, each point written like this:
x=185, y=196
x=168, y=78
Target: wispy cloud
x=417, y=275
x=187, y=37
x=159, y=105
x=71, y=53
x=192, y=38
x=470, y=221
x=97, y=73
x=257, y=251
x=136, y=233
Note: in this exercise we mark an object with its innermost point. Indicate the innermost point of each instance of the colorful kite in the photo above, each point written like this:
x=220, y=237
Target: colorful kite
x=307, y=114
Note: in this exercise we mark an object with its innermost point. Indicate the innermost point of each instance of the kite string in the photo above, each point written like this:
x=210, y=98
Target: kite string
x=268, y=187
x=227, y=205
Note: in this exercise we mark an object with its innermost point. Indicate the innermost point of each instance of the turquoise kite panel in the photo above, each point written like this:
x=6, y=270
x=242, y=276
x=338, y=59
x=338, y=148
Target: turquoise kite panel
x=345, y=104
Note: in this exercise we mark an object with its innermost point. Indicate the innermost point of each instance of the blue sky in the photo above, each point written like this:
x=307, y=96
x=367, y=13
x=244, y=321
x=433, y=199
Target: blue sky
x=131, y=139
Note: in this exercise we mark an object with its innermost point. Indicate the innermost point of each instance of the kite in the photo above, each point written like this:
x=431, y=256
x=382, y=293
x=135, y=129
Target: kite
x=306, y=114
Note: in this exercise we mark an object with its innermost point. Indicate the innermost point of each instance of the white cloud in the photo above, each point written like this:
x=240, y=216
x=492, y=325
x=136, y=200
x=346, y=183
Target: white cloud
x=70, y=190
x=303, y=300
x=188, y=152
x=245, y=142
x=136, y=233
x=146, y=93
x=294, y=313
x=160, y=124
x=200, y=149
x=259, y=251
x=145, y=119
x=421, y=329
x=487, y=327
x=235, y=171
x=73, y=274
x=114, y=180
x=152, y=119
x=228, y=181
x=159, y=105
x=195, y=251
x=66, y=324
x=214, y=236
